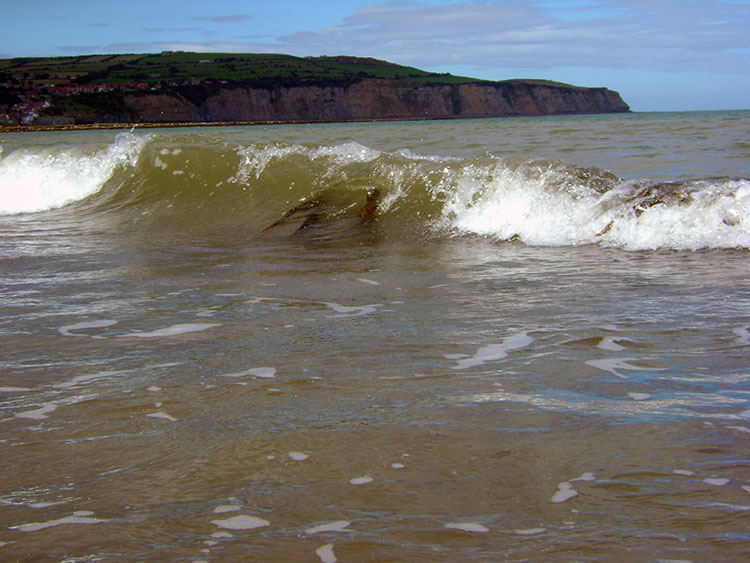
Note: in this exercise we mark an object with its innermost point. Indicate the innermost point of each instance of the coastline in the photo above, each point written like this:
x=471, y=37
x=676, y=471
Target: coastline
x=167, y=124
x=154, y=125
x=175, y=124
x=181, y=89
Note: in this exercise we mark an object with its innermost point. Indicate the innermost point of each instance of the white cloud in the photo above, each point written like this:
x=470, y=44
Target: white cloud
x=663, y=35
x=647, y=35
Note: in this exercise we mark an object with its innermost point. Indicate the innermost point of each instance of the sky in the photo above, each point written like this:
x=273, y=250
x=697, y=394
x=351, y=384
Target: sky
x=660, y=55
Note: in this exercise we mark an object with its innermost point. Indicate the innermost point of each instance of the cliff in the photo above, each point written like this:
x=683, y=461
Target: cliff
x=370, y=99
x=179, y=87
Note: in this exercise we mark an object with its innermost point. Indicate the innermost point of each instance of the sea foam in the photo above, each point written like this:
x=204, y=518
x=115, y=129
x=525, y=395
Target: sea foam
x=82, y=517
x=242, y=522
x=171, y=330
x=325, y=552
x=553, y=204
x=466, y=527
x=46, y=178
x=494, y=352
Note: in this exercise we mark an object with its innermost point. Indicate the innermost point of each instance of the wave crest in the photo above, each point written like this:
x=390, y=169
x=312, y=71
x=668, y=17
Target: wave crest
x=559, y=205
x=48, y=178
x=212, y=185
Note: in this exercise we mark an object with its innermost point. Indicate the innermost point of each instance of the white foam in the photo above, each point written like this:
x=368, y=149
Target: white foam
x=337, y=526
x=361, y=480
x=171, y=330
x=36, y=526
x=495, y=352
x=38, y=414
x=242, y=522
x=346, y=153
x=739, y=428
x=565, y=491
x=39, y=179
x=713, y=216
x=614, y=365
x=743, y=335
x=610, y=344
x=14, y=389
x=684, y=472
x=325, y=553
x=256, y=158
x=466, y=527
x=639, y=396
x=525, y=202
x=67, y=330
x=585, y=477
x=48, y=504
x=162, y=415
x=746, y=488
x=45, y=408
x=221, y=509
x=113, y=471
x=355, y=311
x=77, y=380
x=530, y=531
x=716, y=481
x=298, y=456
x=264, y=373
x=549, y=204
x=371, y=282
x=397, y=465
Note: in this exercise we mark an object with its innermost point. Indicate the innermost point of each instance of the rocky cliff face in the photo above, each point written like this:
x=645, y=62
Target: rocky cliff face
x=368, y=99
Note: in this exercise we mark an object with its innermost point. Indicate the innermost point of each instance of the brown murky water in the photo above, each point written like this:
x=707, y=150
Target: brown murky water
x=175, y=388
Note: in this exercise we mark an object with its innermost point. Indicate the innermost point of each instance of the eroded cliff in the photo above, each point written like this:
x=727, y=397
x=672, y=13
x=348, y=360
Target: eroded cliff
x=184, y=87
x=371, y=99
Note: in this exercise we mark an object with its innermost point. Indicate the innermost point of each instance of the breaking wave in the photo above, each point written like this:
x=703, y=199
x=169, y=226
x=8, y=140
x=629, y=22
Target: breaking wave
x=47, y=178
x=176, y=181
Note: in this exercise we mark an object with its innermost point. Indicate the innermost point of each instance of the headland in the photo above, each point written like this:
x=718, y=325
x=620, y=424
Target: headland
x=183, y=88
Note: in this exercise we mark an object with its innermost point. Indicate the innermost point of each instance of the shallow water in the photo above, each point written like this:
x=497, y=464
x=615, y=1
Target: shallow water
x=424, y=386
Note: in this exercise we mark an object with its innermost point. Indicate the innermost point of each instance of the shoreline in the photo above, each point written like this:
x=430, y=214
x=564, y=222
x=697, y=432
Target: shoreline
x=168, y=124
x=174, y=124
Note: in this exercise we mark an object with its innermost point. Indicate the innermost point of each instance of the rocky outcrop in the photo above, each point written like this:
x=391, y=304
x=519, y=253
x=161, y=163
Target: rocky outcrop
x=370, y=99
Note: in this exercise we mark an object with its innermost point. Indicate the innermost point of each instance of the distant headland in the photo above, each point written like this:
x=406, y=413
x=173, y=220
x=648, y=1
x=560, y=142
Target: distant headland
x=185, y=88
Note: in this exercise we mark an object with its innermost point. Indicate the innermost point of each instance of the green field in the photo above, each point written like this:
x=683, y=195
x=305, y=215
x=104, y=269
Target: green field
x=235, y=68
x=102, y=88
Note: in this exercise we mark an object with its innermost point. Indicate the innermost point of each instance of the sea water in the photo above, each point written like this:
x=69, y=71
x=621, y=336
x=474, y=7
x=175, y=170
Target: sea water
x=535, y=348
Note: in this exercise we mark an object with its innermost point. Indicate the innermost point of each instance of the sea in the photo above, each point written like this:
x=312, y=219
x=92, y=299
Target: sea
x=521, y=339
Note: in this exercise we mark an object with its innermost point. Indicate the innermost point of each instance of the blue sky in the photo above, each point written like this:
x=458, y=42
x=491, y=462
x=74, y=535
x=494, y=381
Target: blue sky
x=659, y=54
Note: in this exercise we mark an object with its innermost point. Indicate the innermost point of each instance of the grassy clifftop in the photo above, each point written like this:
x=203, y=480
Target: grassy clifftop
x=209, y=87
x=178, y=67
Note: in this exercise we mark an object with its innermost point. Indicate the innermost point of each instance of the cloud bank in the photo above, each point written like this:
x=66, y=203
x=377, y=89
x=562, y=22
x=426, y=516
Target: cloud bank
x=645, y=35
x=661, y=35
